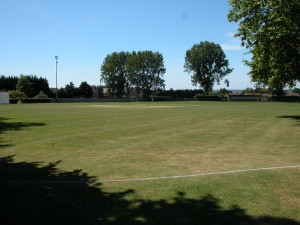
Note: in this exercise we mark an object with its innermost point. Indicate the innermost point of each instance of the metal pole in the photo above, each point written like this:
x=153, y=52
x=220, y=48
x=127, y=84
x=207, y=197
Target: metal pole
x=56, y=57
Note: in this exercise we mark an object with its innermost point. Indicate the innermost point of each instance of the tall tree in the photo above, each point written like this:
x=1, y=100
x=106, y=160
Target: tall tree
x=8, y=83
x=70, y=91
x=85, y=90
x=114, y=73
x=25, y=86
x=145, y=71
x=270, y=29
x=39, y=84
x=208, y=63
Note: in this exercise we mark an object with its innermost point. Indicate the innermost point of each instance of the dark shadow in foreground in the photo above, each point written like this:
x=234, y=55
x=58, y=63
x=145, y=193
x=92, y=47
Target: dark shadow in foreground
x=297, y=118
x=35, y=194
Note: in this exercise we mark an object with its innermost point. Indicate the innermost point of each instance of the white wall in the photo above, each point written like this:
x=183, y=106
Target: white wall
x=4, y=98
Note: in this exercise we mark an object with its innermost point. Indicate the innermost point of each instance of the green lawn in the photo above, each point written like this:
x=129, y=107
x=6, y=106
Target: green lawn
x=48, y=144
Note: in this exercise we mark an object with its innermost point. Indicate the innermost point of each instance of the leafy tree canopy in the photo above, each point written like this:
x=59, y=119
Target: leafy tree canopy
x=145, y=71
x=8, y=83
x=39, y=84
x=24, y=85
x=70, y=90
x=142, y=70
x=270, y=29
x=208, y=63
x=114, y=73
x=224, y=92
x=85, y=90
x=31, y=83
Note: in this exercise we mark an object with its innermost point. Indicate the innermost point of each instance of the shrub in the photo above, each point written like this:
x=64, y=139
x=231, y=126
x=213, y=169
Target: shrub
x=17, y=95
x=41, y=95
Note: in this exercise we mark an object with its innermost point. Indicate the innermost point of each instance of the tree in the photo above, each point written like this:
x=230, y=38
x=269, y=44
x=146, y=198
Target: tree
x=145, y=71
x=261, y=90
x=61, y=93
x=223, y=92
x=39, y=84
x=248, y=90
x=208, y=63
x=70, y=90
x=114, y=73
x=8, y=83
x=271, y=31
x=24, y=85
x=85, y=90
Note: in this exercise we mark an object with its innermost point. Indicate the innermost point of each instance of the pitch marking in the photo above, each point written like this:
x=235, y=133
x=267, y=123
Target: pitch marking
x=198, y=175
x=155, y=178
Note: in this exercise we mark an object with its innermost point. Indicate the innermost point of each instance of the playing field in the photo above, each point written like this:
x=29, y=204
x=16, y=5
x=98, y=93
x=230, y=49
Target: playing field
x=155, y=163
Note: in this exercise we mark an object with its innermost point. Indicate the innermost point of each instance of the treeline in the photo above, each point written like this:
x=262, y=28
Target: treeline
x=29, y=85
x=270, y=91
x=84, y=90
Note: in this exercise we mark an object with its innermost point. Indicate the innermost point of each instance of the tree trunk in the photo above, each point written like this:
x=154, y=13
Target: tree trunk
x=206, y=91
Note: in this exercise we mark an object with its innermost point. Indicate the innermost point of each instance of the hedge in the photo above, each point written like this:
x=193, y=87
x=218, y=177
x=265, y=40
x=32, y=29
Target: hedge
x=254, y=98
x=208, y=98
x=31, y=100
x=13, y=101
x=285, y=98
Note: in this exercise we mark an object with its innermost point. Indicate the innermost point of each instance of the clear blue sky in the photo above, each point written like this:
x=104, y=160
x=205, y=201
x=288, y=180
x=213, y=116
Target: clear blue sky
x=82, y=32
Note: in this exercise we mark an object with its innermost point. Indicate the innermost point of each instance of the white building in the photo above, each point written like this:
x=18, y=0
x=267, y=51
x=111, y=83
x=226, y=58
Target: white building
x=4, y=98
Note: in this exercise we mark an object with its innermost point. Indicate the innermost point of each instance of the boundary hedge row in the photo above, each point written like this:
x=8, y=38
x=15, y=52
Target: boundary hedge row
x=286, y=99
x=31, y=100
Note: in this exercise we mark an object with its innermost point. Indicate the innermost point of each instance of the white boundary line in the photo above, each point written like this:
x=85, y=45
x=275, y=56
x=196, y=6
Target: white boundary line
x=198, y=175
x=157, y=178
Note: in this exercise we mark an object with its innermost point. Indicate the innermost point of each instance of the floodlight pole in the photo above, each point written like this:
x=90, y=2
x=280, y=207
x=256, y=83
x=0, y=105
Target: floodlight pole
x=56, y=57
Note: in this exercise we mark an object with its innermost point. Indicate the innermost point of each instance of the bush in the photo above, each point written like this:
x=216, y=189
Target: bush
x=18, y=95
x=41, y=95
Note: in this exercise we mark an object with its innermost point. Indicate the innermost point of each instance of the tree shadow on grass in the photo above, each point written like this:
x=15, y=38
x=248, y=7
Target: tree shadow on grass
x=15, y=126
x=297, y=118
x=6, y=125
x=35, y=194
x=3, y=144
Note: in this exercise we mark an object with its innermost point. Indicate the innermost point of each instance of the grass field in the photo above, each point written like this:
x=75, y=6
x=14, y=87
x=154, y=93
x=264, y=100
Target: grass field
x=56, y=160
